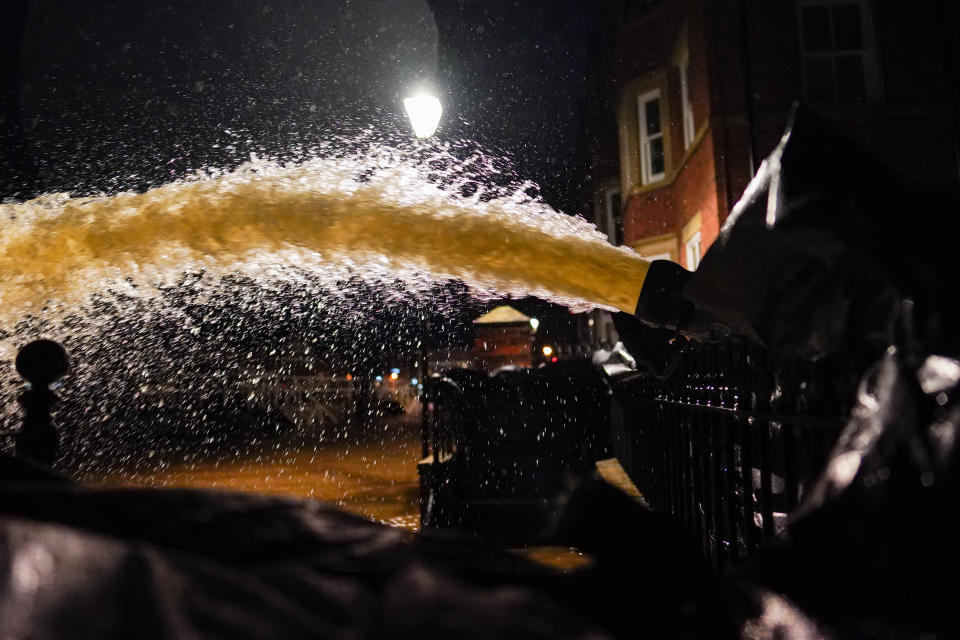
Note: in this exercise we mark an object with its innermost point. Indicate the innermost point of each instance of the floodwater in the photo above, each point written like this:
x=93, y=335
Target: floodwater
x=369, y=470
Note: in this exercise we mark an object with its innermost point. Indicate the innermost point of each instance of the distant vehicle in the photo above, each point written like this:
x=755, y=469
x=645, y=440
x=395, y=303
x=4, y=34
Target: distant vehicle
x=319, y=400
x=291, y=388
x=388, y=407
x=293, y=383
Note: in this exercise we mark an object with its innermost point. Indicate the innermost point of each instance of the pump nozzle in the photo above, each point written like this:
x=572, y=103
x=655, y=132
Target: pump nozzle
x=661, y=302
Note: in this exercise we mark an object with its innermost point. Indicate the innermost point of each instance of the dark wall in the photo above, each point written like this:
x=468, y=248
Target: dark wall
x=913, y=124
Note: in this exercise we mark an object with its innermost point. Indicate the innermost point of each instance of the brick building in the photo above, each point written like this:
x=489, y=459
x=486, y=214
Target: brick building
x=503, y=337
x=700, y=91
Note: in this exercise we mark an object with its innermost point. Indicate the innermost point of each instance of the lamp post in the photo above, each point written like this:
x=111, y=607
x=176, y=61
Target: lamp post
x=424, y=112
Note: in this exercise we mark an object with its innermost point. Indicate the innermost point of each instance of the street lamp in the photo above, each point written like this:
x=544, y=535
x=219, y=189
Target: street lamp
x=424, y=112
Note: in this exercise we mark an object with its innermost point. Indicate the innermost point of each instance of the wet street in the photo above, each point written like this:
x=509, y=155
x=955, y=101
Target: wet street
x=369, y=470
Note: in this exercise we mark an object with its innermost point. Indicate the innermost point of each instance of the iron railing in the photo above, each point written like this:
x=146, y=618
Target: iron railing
x=720, y=436
x=728, y=441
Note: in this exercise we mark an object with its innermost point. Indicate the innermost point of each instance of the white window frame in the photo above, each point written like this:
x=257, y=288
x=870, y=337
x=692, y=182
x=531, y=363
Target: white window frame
x=871, y=72
x=694, y=250
x=689, y=127
x=646, y=177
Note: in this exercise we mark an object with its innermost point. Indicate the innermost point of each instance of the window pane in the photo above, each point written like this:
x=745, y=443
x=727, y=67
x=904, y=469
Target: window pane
x=656, y=156
x=818, y=74
x=851, y=84
x=652, y=114
x=815, y=21
x=847, y=32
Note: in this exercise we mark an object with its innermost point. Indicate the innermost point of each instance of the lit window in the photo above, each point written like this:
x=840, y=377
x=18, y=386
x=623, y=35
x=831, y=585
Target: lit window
x=838, y=61
x=652, y=162
x=689, y=130
x=693, y=247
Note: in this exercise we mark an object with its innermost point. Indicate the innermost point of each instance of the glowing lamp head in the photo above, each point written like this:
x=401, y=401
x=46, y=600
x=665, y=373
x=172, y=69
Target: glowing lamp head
x=547, y=351
x=535, y=323
x=424, y=113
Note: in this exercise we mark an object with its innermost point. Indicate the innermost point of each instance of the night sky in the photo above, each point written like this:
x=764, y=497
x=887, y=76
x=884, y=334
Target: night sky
x=105, y=95
x=518, y=76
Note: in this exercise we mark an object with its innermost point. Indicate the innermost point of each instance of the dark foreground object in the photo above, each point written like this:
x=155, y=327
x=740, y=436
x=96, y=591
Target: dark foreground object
x=80, y=563
x=85, y=563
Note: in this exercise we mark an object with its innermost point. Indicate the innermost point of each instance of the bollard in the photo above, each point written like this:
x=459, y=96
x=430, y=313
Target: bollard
x=41, y=363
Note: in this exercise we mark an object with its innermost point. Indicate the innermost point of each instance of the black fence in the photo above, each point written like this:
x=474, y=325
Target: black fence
x=727, y=440
x=720, y=436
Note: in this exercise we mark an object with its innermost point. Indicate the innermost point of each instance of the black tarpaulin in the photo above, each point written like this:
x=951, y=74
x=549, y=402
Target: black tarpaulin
x=823, y=247
x=86, y=563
